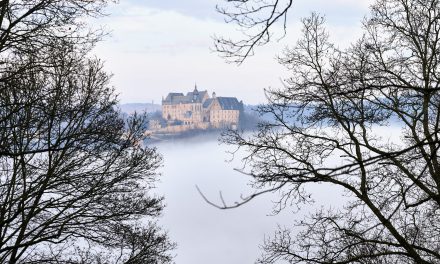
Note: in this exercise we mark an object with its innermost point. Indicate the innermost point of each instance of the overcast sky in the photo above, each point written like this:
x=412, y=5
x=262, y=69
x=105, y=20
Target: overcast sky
x=161, y=46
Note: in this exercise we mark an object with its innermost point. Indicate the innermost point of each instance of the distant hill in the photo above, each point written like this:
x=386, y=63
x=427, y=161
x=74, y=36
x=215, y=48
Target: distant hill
x=139, y=107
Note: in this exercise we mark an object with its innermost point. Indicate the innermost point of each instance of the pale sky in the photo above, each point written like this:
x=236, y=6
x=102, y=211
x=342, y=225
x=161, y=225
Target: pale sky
x=161, y=46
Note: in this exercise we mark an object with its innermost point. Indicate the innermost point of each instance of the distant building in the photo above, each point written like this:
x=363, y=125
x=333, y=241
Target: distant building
x=196, y=108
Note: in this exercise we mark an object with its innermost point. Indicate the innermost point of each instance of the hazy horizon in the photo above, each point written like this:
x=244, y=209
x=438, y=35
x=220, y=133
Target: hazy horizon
x=156, y=47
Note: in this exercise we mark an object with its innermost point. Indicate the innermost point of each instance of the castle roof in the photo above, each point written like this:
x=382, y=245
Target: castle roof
x=207, y=102
x=229, y=103
x=173, y=96
x=226, y=103
x=191, y=97
x=196, y=96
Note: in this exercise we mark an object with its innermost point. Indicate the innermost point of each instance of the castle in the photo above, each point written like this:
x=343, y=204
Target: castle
x=197, y=110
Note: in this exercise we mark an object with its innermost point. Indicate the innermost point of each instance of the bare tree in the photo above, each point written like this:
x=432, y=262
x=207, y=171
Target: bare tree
x=35, y=26
x=42, y=21
x=255, y=19
x=75, y=178
x=324, y=129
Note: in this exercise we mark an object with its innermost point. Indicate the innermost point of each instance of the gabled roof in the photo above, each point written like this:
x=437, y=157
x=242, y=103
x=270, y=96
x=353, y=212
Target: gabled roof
x=207, y=102
x=191, y=97
x=173, y=97
x=196, y=96
x=229, y=103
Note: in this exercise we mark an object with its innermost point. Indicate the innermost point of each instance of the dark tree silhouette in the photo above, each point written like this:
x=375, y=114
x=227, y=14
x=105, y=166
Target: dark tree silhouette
x=324, y=129
x=75, y=178
x=35, y=26
x=255, y=19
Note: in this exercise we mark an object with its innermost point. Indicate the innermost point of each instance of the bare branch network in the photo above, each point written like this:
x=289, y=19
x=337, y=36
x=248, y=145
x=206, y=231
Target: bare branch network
x=325, y=127
x=255, y=19
x=75, y=178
